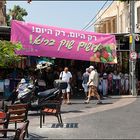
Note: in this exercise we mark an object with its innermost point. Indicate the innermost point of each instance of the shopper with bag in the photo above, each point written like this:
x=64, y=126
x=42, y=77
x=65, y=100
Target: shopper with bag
x=66, y=76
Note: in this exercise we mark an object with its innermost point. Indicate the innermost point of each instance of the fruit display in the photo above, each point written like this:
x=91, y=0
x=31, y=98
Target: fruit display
x=104, y=54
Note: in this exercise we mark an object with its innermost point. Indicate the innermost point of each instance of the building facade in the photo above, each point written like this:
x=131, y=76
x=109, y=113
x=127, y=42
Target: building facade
x=106, y=22
x=2, y=13
x=116, y=19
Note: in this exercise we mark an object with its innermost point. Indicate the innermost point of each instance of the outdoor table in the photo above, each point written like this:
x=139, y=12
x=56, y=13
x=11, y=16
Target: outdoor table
x=2, y=116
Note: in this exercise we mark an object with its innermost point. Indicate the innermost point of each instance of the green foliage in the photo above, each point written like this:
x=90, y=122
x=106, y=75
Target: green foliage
x=17, y=13
x=8, y=58
x=8, y=19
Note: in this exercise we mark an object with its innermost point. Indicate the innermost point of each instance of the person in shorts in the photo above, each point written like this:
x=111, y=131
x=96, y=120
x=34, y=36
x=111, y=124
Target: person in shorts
x=93, y=84
x=66, y=76
x=85, y=80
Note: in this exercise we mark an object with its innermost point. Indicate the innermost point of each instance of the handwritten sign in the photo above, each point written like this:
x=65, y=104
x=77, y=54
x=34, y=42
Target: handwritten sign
x=42, y=40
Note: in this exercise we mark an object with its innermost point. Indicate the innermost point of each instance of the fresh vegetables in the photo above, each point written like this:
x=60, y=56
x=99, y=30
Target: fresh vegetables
x=105, y=54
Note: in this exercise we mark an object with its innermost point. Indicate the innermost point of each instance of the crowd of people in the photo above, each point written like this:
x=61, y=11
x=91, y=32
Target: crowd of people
x=90, y=81
x=97, y=84
x=109, y=84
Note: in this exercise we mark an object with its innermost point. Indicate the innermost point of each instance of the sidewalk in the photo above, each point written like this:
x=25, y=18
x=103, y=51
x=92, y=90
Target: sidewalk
x=73, y=114
x=85, y=117
x=78, y=104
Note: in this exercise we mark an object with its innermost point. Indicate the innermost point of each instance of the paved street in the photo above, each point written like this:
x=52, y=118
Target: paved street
x=55, y=52
x=116, y=118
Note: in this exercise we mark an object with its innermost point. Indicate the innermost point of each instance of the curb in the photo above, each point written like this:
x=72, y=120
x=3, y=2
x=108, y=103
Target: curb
x=118, y=104
x=124, y=96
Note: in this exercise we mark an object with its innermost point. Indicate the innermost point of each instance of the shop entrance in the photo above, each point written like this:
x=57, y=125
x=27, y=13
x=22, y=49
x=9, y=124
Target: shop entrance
x=77, y=68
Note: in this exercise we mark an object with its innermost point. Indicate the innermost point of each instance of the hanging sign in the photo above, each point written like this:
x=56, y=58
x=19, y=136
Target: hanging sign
x=47, y=41
x=133, y=55
x=137, y=37
x=130, y=39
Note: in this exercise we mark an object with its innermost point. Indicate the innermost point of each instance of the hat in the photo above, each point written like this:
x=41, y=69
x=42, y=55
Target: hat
x=91, y=67
x=105, y=74
x=126, y=75
x=22, y=81
x=87, y=69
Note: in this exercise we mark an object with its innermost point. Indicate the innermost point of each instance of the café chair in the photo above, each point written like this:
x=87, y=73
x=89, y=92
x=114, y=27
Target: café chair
x=20, y=132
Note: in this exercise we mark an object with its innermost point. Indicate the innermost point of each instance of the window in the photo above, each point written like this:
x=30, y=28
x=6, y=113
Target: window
x=114, y=25
x=1, y=23
x=1, y=4
x=109, y=26
x=104, y=28
x=121, y=24
x=138, y=15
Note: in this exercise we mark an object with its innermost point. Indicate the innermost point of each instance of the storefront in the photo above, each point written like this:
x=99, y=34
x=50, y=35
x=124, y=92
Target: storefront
x=121, y=66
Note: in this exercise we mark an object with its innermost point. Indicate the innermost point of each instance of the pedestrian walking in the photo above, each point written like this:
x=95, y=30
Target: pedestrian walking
x=67, y=77
x=85, y=79
x=93, y=84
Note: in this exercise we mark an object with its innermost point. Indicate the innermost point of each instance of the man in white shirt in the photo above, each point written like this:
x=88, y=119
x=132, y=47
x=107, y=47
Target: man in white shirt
x=66, y=76
x=93, y=84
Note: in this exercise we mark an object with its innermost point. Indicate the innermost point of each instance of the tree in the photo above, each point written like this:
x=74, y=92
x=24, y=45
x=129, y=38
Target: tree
x=8, y=58
x=8, y=20
x=17, y=13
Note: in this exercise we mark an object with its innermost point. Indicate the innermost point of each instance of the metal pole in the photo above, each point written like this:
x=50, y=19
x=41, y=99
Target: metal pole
x=132, y=64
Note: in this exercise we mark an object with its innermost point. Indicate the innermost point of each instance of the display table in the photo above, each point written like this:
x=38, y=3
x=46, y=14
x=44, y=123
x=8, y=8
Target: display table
x=2, y=114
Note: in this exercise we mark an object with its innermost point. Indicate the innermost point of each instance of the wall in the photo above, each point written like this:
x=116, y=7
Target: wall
x=2, y=13
x=118, y=11
x=137, y=28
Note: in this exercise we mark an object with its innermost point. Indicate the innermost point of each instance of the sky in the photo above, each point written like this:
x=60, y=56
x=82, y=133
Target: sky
x=65, y=14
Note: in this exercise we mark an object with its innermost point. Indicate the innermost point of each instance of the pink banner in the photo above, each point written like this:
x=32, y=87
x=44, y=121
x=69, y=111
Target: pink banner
x=42, y=40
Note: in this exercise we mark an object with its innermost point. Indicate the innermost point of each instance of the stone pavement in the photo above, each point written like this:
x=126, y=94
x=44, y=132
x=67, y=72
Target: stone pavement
x=114, y=119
